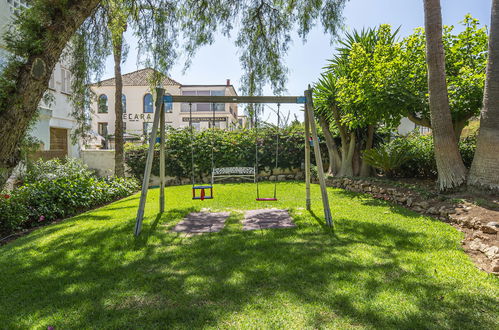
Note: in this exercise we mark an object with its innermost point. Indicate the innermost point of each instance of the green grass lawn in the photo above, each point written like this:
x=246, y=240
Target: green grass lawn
x=383, y=267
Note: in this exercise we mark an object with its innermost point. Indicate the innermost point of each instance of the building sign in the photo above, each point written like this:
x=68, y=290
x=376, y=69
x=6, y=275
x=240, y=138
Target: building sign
x=198, y=119
x=136, y=116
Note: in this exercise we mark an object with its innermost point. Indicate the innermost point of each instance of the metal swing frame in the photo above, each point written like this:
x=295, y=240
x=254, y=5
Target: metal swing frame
x=159, y=122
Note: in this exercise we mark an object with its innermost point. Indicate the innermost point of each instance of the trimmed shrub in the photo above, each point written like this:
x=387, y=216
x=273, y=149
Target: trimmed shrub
x=231, y=148
x=56, y=189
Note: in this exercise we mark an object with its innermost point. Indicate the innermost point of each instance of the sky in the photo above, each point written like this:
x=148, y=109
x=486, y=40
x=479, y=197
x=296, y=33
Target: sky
x=215, y=63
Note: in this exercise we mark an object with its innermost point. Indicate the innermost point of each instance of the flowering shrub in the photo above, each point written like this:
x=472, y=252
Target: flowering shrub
x=57, y=189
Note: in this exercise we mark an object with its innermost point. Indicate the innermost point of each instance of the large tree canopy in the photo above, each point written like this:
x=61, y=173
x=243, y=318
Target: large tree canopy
x=465, y=61
x=40, y=35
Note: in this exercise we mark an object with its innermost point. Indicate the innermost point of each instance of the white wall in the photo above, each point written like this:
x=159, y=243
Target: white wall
x=102, y=161
x=406, y=126
x=52, y=114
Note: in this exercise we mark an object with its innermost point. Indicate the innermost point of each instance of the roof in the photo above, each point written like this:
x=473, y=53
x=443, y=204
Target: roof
x=138, y=78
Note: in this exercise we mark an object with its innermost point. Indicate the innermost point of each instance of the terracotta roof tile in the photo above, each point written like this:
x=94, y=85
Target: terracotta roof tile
x=138, y=78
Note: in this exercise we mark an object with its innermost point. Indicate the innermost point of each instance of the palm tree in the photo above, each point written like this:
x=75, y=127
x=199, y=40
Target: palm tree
x=451, y=170
x=485, y=167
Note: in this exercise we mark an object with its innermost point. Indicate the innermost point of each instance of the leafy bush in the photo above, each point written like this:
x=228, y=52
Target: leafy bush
x=386, y=158
x=57, y=189
x=421, y=158
x=232, y=148
x=467, y=148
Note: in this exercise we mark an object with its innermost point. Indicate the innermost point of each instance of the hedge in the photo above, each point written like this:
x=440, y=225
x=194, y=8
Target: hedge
x=231, y=148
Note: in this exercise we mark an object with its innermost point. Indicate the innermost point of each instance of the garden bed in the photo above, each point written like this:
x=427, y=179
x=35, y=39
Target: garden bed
x=474, y=214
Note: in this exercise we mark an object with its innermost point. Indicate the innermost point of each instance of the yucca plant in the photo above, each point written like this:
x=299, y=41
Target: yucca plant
x=386, y=158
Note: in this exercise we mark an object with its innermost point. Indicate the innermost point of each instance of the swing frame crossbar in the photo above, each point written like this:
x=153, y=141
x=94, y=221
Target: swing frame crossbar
x=159, y=122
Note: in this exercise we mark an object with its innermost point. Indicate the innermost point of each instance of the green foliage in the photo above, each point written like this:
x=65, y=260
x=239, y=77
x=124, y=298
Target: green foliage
x=56, y=189
x=467, y=147
x=386, y=158
x=420, y=155
x=465, y=62
x=355, y=82
x=232, y=148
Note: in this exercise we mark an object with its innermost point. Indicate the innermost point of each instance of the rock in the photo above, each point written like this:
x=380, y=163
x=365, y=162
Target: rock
x=417, y=209
x=382, y=190
x=495, y=266
x=432, y=210
x=374, y=189
x=422, y=204
x=476, y=244
x=489, y=229
x=367, y=189
x=491, y=251
x=478, y=234
x=402, y=199
x=493, y=224
x=409, y=201
x=290, y=177
x=390, y=191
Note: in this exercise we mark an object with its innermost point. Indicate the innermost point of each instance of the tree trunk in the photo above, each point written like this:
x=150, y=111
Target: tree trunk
x=458, y=128
x=19, y=110
x=332, y=148
x=366, y=169
x=119, y=166
x=347, y=152
x=451, y=170
x=485, y=167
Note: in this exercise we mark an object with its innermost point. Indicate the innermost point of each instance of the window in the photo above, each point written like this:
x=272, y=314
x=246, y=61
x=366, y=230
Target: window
x=203, y=106
x=185, y=106
x=147, y=129
x=218, y=106
x=168, y=105
x=102, y=104
x=65, y=81
x=148, y=103
x=102, y=129
x=123, y=102
x=52, y=81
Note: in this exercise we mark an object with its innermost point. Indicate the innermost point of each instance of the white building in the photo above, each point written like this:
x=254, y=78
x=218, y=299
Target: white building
x=55, y=123
x=138, y=106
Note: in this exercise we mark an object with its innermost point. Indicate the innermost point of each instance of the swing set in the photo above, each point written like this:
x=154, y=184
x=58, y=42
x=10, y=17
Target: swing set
x=231, y=172
x=205, y=191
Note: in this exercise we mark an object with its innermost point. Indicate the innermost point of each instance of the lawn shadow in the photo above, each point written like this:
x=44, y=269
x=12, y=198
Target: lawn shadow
x=368, y=200
x=103, y=277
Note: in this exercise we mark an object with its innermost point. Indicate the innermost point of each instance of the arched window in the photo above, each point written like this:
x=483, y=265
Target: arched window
x=148, y=104
x=167, y=103
x=123, y=102
x=102, y=104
